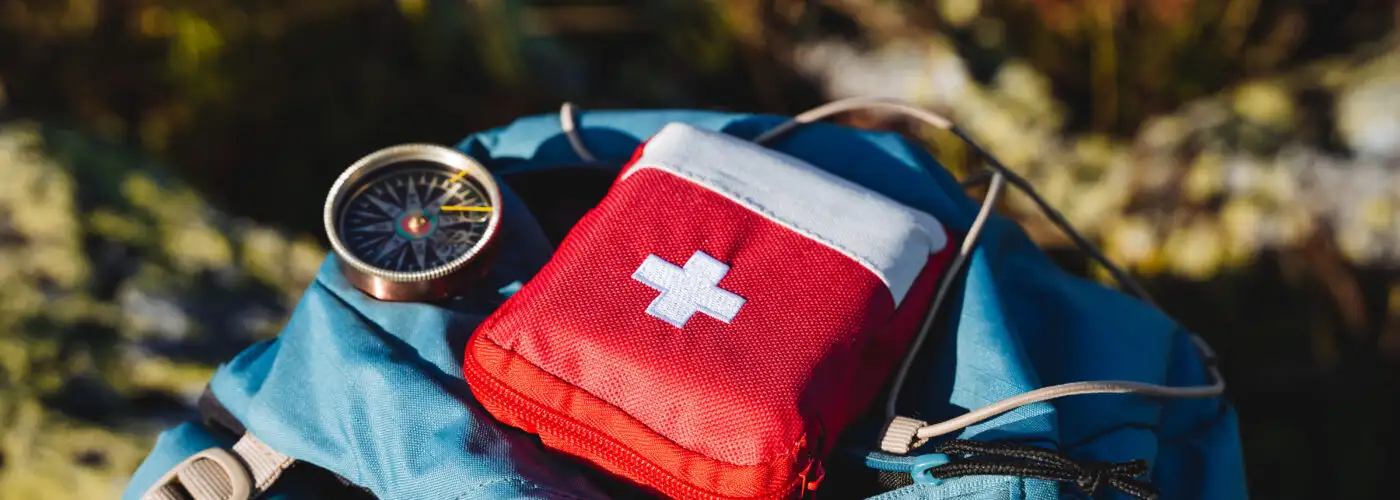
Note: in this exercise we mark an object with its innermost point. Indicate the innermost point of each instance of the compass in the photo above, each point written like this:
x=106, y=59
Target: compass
x=413, y=222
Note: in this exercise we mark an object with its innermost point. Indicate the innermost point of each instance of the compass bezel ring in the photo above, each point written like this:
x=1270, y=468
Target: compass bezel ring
x=428, y=284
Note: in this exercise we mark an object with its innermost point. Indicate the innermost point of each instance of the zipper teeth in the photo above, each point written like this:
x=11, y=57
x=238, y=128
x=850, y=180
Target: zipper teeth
x=578, y=435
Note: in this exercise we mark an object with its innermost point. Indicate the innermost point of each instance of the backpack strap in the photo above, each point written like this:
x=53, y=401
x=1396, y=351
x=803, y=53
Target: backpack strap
x=247, y=470
x=243, y=473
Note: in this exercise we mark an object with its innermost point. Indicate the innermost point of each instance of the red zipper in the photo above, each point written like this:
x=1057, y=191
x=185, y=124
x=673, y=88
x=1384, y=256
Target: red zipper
x=582, y=437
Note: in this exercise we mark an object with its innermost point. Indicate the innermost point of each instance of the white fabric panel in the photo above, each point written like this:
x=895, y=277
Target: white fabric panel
x=890, y=239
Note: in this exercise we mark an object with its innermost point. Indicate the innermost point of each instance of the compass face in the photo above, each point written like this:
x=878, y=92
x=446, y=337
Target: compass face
x=414, y=216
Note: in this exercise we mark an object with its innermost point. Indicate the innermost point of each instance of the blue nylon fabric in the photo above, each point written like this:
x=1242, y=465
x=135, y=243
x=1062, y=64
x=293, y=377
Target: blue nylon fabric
x=373, y=392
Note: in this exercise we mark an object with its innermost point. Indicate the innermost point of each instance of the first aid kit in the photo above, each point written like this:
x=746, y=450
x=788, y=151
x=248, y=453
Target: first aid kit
x=712, y=327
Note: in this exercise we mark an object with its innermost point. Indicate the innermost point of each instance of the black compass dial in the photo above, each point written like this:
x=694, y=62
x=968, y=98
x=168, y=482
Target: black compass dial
x=414, y=217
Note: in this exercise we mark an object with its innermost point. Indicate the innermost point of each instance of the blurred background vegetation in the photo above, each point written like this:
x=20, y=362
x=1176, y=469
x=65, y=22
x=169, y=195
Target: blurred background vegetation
x=163, y=162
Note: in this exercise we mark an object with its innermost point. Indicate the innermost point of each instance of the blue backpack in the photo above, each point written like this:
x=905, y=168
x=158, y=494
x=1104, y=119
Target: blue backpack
x=362, y=398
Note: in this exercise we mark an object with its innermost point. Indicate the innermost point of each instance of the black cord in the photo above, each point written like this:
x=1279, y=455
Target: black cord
x=976, y=458
x=897, y=385
x=1060, y=221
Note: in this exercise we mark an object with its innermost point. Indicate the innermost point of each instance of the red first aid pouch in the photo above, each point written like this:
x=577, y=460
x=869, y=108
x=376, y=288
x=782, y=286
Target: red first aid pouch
x=714, y=324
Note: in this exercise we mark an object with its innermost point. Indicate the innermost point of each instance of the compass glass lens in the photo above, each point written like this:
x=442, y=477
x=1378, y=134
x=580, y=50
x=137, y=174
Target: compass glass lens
x=414, y=216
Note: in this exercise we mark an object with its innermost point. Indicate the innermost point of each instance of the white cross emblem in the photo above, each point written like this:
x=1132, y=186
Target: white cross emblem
x=686, y=290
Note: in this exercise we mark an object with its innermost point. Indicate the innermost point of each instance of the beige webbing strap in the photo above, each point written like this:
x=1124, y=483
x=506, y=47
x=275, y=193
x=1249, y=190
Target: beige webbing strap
x=217, y=474
x=902, y=435
x=264, y=464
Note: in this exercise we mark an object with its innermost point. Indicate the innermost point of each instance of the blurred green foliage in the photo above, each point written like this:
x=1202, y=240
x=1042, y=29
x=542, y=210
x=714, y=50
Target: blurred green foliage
x=163, y=162
x=121, y=291
x=1117, y=62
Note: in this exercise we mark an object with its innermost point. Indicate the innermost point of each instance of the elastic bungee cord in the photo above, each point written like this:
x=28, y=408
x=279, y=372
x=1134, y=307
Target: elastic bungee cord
x=566, y=123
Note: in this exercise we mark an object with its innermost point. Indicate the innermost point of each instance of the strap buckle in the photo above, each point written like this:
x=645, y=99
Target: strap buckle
x=211, y=474
x=218, y=474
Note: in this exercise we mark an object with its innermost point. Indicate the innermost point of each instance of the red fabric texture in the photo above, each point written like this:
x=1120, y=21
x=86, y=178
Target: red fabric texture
x=742, y=409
